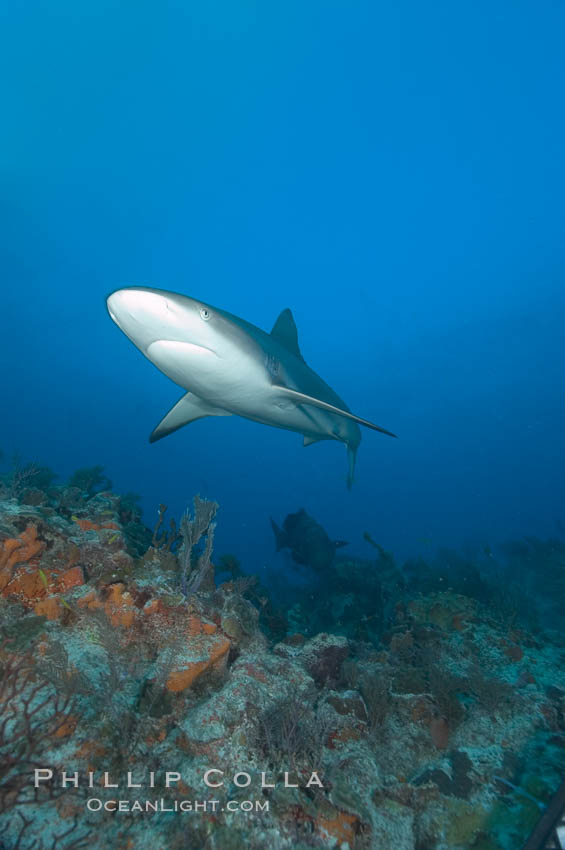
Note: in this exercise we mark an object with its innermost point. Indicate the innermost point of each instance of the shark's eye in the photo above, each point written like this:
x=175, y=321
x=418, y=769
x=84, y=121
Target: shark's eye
x=205, y=314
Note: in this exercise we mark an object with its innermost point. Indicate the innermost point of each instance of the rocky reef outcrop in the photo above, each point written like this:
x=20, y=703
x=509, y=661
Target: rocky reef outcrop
x=138, y=713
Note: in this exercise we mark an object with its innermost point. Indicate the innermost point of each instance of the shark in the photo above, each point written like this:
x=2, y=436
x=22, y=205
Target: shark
x=229, y=367
x=307, y=540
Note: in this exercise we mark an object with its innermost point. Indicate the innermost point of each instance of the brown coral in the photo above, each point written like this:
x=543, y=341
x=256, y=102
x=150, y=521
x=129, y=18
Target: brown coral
x=32, y=585
x=119, y=606
x=341, y=827
x=50, y=608
x=215, y=652
x=88, y=525
x=20, y=550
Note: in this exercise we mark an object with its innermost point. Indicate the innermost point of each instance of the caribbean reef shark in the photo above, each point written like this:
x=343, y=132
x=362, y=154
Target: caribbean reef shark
x=229, y=366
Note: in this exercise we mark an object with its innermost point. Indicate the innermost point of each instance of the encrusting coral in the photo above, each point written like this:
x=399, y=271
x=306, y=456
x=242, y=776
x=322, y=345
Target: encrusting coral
x=20, y=550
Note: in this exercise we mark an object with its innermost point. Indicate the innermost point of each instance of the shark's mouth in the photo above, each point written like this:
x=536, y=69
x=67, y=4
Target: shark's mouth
x=175, y=348
x=187, y=364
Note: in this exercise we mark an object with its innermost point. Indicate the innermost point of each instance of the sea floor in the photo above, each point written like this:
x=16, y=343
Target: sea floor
x=378, y=711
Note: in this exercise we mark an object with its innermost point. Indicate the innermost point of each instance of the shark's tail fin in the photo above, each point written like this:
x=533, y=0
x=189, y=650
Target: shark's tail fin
x=351, y=454
x=280, y=536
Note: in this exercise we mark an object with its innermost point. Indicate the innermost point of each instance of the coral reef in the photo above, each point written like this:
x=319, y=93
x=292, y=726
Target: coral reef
x=398, y=707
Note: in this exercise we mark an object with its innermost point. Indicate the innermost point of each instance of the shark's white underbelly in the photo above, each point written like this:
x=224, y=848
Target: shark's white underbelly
x=296, y=420
x=240, y=386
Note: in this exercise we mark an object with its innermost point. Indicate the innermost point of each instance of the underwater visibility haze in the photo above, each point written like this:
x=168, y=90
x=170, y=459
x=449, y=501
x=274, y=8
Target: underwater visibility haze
x=376, y=189
x=362, y=168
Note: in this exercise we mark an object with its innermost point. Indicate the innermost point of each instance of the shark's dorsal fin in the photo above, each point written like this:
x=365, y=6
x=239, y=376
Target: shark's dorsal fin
x=187, y=409
x=284, y=331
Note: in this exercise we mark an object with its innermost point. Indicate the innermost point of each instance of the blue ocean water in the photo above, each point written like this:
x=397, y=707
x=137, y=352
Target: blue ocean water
x=392, y=172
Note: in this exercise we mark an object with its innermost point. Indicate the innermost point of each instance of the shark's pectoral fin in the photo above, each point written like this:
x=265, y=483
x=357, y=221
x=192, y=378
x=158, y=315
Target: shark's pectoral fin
x=280, y=536
x=189, y=408
x=309, y=440
x=303, y=398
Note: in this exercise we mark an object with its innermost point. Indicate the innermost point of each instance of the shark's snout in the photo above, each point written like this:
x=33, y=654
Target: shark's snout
x=136, y=304
x=170, y=331
x=144, y=315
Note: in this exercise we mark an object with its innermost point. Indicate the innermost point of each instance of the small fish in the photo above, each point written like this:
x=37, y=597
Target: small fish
x=43, y=578
x=66, y=604
x=113, y=537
